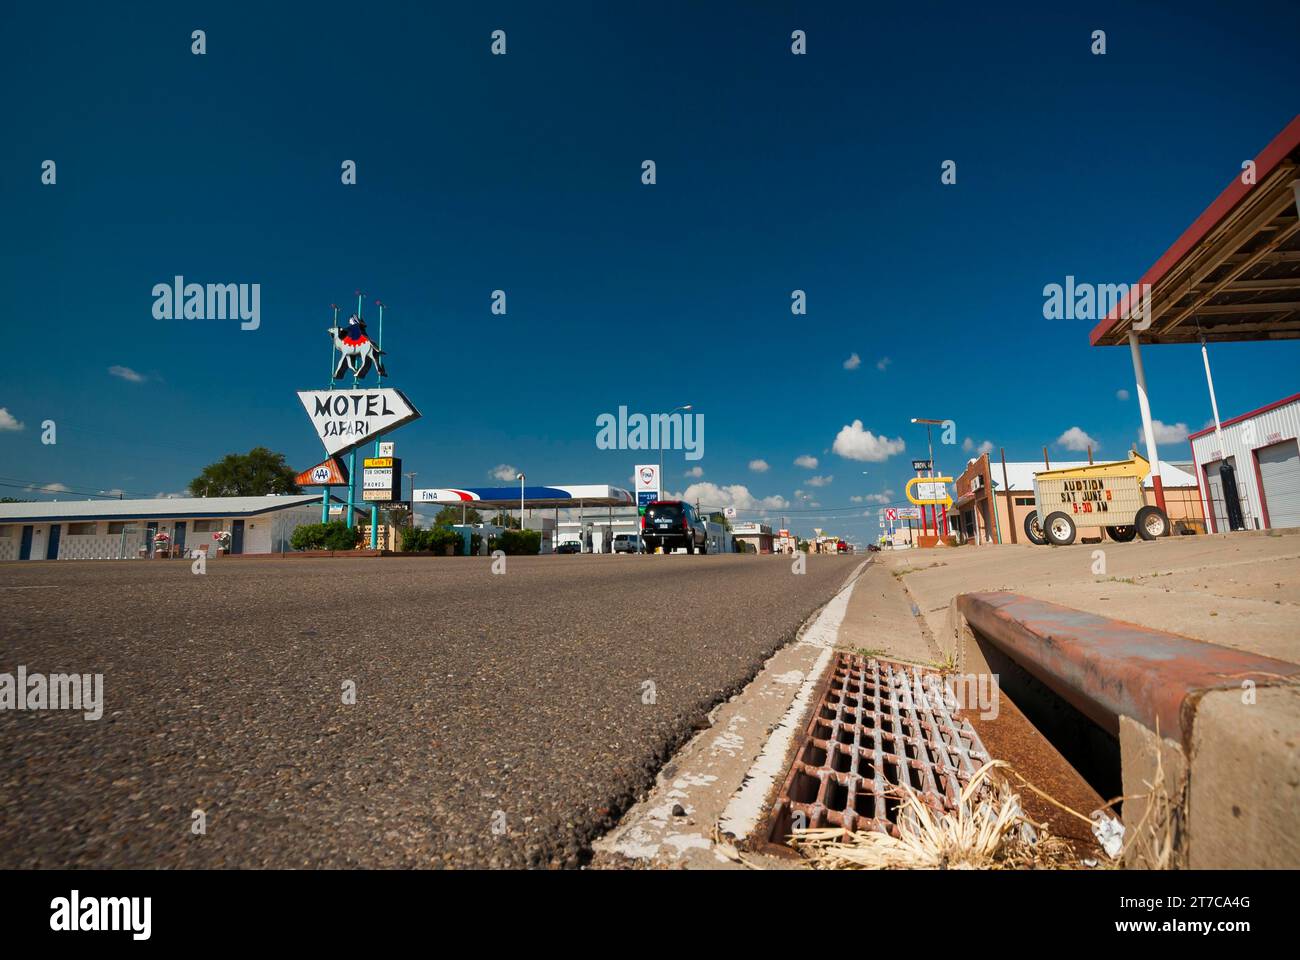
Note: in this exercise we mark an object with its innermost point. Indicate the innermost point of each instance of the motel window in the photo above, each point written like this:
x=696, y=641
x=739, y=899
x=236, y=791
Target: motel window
x=207, y=526
x=1024, y=501
x=82, y=529
x=6, y=532
x=118, y=526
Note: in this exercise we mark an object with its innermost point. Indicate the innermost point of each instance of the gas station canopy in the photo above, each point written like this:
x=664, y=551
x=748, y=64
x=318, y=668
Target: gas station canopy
x=1234, y=274
x=586, y=495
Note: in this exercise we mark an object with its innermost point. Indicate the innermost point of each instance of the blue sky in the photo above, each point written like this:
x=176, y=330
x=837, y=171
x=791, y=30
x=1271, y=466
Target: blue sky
x=523, y=173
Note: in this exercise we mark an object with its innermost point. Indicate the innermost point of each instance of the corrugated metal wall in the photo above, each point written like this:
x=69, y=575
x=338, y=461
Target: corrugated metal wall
x=1241, y=440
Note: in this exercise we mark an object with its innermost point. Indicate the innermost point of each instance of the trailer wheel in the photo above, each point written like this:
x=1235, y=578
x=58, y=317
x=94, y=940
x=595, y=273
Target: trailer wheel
x=1152, y=524
x=1122, y=534
x=1032, y=529
x=1059, y=529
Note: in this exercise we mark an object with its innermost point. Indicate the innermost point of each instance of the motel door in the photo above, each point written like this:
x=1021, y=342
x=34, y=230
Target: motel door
x=25, y=545
x=237, y=536
x=52, y=548
x=178, y=536
x=149, y=531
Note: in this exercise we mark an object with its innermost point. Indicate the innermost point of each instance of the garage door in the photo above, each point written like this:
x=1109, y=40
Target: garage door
x=1279, y=471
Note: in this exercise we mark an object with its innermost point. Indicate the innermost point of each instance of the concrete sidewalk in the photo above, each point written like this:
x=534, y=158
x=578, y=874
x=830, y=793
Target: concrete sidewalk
x=1239, y=590
x=881, y=620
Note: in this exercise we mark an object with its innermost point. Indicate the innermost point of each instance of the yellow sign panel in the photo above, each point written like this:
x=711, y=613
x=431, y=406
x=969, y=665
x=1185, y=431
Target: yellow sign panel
x=932, y=499
x=378, y=461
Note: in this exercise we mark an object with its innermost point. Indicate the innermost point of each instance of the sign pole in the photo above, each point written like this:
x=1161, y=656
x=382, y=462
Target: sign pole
x=379, y=379
x=352, y=462
x=325, y=497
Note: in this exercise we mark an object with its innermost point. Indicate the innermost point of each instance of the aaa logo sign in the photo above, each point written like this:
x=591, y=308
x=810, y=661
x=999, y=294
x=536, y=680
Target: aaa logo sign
x=345, y=419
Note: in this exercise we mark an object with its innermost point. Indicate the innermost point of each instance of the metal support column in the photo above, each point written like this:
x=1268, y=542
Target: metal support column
x=1148, y=431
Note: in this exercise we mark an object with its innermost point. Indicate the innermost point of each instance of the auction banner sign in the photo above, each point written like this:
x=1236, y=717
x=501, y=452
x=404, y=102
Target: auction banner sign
x=345, y=419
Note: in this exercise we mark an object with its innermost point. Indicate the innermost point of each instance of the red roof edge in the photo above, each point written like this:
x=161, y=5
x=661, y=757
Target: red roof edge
x=1246, y=416
x=1272, y=155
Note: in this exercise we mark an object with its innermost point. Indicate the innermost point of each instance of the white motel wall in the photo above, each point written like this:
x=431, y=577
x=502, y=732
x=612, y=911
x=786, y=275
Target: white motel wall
x=1262, y=448
x=124, y=529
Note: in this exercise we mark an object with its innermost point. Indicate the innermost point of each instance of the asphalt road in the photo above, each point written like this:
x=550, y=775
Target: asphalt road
x=499, y=719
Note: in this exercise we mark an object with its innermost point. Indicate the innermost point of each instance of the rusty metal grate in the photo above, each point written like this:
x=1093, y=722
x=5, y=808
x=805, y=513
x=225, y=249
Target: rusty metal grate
x=877, y=727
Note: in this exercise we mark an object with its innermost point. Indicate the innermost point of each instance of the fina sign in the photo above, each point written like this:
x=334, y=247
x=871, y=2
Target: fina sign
x=647, y=485
x=345, y=419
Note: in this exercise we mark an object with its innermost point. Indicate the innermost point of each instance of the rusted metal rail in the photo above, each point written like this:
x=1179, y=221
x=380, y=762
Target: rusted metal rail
x=1108, y=668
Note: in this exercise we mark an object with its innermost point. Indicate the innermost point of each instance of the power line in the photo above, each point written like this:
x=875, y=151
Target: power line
x=37, y=486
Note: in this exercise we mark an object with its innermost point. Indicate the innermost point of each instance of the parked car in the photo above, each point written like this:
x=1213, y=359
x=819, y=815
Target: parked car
x=569, y=546
x=627, y=543
x=671, y=524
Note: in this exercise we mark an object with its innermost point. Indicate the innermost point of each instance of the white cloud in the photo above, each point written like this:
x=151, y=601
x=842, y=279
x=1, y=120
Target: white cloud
x=1121, y=394
x=759, y=466
x=503, y=471
x=853, y=362
x=163, y=495
x=886, y=497
x=1167, y=432
x=115, y=492
x=855, y=443
x=713, y=497
x=695, y=472
x=1076, y=439
x=882, y=363
x=855, y=499
x=8, y=421
x=51, y=488
x=806, y=461
x=126, y=373
x=820, y=481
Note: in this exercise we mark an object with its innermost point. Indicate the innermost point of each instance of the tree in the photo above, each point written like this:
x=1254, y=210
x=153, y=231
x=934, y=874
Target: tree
x=720, y=518
x=450, y=516
x=256, y=473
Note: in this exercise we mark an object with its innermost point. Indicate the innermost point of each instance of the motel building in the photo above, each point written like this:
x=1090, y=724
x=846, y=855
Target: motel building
x=130, y=529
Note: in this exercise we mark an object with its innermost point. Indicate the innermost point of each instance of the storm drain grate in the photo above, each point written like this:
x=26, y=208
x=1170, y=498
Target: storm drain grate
x=879, y=726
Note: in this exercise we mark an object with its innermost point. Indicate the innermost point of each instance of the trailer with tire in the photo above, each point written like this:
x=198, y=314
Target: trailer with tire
x=1107, y=495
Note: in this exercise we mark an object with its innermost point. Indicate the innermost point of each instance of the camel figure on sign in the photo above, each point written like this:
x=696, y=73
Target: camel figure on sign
x=356, y=350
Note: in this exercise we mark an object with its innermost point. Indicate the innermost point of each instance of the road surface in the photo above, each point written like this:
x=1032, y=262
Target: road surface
x=500, y=720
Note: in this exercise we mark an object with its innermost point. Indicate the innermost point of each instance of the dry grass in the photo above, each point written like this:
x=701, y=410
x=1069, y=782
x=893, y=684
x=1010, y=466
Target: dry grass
x=989, y=831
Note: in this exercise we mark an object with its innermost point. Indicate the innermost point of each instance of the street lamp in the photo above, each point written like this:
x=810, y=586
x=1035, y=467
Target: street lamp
x=411, y=519
x=661, y=450
x=930, y=441
x=520, y=478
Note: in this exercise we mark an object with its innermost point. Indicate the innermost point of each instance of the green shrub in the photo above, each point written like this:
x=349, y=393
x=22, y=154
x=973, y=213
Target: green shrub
x=517, y=543
x=339, y=536
x=310, y=536
x=334, y=535
x=437, y=540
